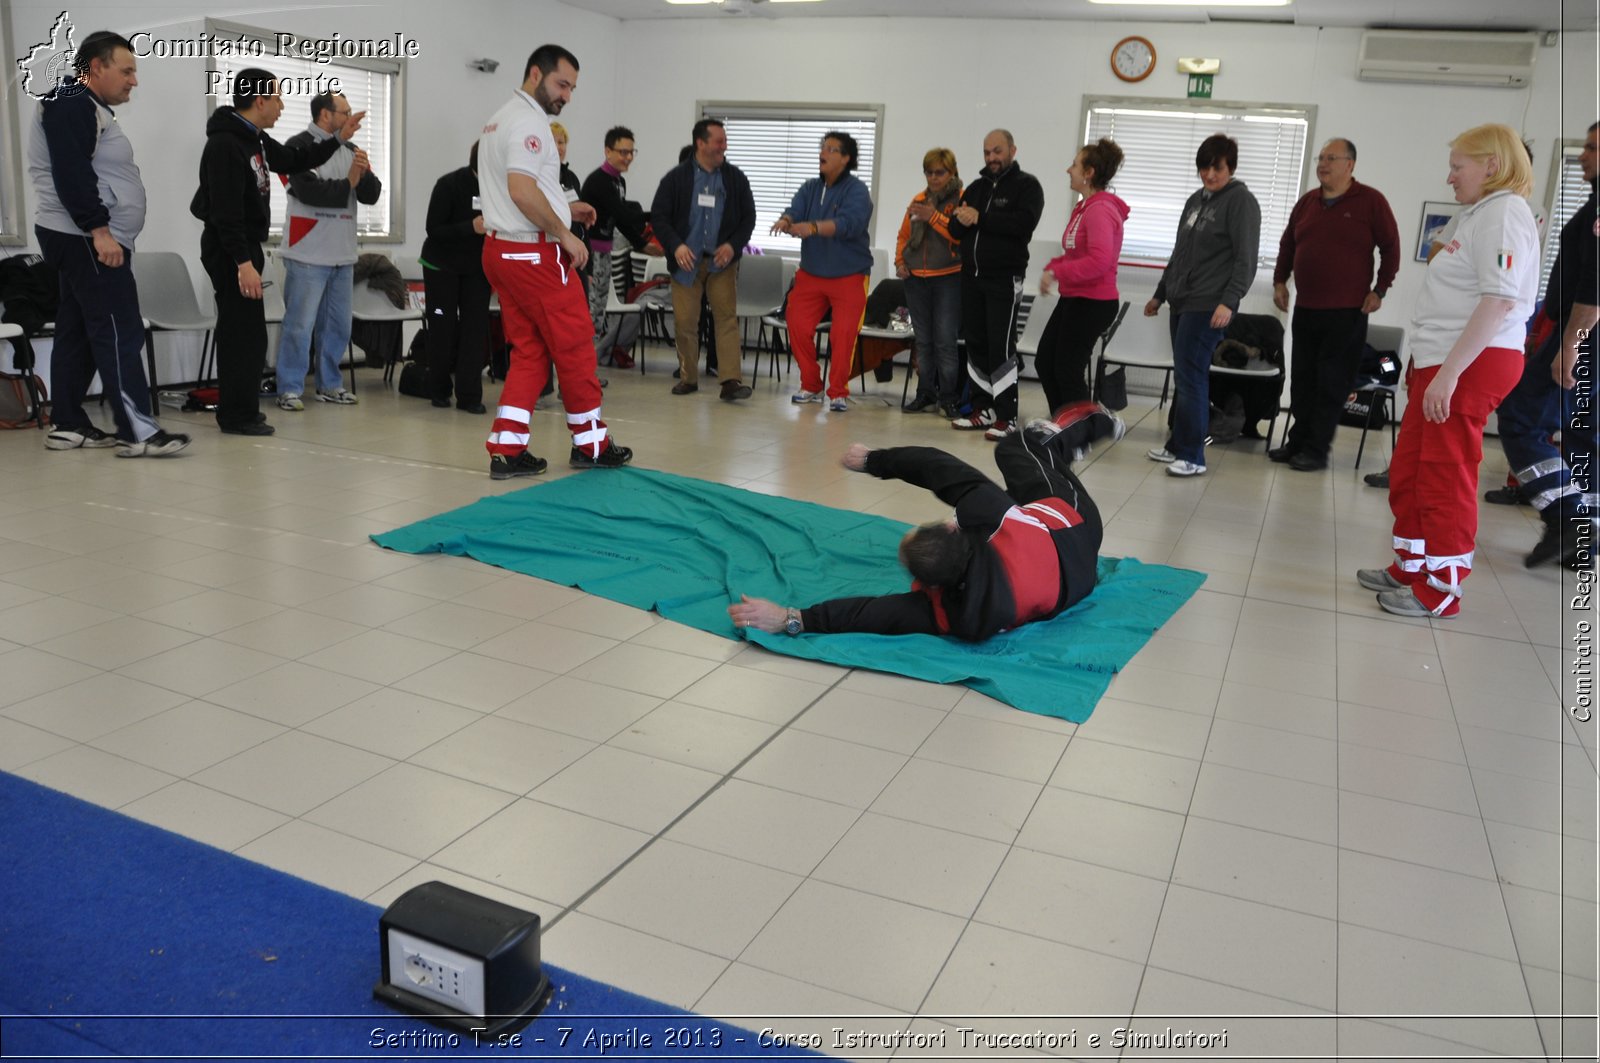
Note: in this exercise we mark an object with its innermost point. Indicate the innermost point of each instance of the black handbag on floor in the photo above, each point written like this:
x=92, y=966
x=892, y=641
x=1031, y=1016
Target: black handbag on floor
x=1112, y=389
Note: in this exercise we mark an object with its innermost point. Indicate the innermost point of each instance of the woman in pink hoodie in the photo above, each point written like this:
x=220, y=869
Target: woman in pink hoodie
x=1085, y=275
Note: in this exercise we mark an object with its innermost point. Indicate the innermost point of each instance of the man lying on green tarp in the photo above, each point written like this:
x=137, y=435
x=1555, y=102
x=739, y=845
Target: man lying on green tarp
x=1007, y=557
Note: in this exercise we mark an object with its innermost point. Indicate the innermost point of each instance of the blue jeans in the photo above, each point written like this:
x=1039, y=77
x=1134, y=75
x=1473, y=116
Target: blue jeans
x=1194, y=341
x=935, y=305
x=1527, y=416
x=314, y=298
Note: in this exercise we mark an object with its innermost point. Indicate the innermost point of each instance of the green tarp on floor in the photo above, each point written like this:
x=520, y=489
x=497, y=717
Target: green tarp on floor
x=686, y=548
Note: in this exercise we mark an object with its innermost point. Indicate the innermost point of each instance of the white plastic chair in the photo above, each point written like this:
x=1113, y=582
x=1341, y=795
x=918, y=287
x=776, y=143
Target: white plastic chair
x=370, y=305
x=168, y=302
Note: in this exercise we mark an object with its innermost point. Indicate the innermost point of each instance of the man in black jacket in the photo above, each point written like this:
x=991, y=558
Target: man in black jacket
x=703, y=215
x=998, y=213
x=1008, y=557
x=235, y=202
x=1559, y=482
x=606, y=190
x=456, y=290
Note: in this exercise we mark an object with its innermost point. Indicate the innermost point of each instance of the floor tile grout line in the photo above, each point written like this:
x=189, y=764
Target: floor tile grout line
x=861, y=814
x=1494, y=863
x=1011, y=847
x=714, y=788
x=1155, y=929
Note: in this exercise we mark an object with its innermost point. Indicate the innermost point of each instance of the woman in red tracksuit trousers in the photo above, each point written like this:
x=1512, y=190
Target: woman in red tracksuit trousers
x=1466, y=355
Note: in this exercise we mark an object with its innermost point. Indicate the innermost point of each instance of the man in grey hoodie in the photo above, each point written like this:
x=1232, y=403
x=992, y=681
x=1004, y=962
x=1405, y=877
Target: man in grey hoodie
x=319, y=254
x=1210, y=268
x=89, y=209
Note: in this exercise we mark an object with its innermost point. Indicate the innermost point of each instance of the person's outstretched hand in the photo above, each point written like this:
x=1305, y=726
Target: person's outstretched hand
x=855, y=457
x=758, y=613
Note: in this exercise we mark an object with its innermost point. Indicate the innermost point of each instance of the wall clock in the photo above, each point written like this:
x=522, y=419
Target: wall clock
x=1133, y=58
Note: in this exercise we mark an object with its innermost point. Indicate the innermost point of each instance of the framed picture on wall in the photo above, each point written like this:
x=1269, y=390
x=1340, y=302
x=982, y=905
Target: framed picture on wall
x=1435, y=216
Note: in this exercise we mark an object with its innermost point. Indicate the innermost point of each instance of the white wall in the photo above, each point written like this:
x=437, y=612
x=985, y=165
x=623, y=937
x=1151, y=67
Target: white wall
x=446, y=103
x=941, y=81
x=947, y=82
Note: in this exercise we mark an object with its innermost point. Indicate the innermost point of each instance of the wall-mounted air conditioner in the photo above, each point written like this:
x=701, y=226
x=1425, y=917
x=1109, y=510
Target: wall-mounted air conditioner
x=1504, y=60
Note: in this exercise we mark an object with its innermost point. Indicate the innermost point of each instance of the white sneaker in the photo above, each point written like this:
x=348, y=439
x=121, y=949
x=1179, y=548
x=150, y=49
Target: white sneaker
x=981, y=421
x=1377, y=579
x=340, y=397
x=801, y=397
x=159, y=445
x=999, y=430
x=1179, y=467
x=290, y=401
x=1161, y=454
x=1041, y=429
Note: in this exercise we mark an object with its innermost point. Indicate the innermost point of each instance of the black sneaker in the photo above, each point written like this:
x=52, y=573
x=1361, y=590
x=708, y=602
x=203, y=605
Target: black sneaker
x=472, y=407
x=1505, y=496
x=1281, y=455
x=613, y=457
x=1303, y=462
x=1564, y=541
x=254, y=428
x=442, y=404
x=1377, y=479
x=89, y=438
x=159, y=445
x=917, y=403
x=524, y=464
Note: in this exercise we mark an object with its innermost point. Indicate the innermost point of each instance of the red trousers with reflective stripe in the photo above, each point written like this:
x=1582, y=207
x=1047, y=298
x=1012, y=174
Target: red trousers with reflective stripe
x=811, y=298
x=1433, y=478
x=546, y=319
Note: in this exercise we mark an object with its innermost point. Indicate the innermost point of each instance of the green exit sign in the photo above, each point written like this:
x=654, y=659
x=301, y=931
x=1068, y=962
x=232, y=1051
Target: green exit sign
x=1200, y=86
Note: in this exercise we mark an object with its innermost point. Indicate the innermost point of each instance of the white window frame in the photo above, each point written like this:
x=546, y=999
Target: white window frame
x=382, y=223
x=1567, y=192
x=775, y=176
x=1156, y=189
x=12, y=222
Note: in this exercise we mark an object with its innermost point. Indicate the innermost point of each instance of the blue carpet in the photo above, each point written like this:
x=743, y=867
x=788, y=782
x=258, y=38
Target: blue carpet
x=122, y=939
x=686, y=548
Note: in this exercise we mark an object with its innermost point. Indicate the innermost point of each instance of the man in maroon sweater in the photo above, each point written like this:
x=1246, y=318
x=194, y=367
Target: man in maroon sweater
x=1007, y=557
x=1328, y=245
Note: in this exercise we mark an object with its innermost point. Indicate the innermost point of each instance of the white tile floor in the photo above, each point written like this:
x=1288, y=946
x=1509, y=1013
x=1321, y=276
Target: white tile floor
x=1293, y=816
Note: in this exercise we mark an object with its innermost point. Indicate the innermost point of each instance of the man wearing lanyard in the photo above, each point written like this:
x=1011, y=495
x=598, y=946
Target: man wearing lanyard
x=703, y=215
x=532, y=258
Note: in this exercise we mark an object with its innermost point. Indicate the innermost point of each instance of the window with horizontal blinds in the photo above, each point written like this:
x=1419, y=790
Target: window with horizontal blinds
x=1159, y=138
x=11, y=220
x=1568, y=192
x=371, y=85
x=776, y=146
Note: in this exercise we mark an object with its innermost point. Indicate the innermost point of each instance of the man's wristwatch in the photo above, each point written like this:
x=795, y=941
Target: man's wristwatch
x=792, y=625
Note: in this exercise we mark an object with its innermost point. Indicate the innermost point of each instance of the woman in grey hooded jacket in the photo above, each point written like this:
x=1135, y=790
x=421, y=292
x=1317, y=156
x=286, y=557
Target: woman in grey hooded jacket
x=1210, y=269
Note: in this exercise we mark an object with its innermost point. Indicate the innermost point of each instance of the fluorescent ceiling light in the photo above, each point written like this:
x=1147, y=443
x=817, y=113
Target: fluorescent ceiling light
x=1194, y=3
x=794, y=1
x=694, y=1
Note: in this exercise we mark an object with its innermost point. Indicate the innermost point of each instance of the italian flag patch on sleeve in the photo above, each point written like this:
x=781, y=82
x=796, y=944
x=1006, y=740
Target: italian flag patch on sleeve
x=1503, y=259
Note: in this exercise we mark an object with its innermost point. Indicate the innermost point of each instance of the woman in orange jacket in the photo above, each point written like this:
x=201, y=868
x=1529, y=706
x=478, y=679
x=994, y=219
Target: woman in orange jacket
x=930, y=262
